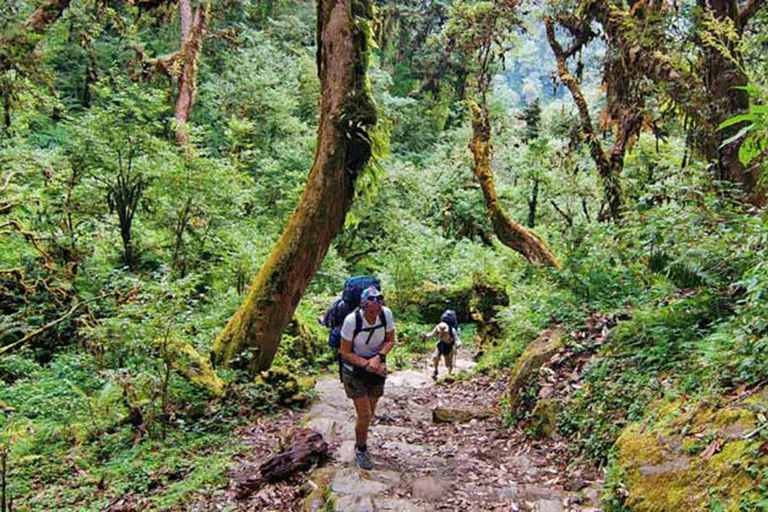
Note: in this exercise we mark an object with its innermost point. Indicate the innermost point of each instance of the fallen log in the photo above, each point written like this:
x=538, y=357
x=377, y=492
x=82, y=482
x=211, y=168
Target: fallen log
x=308, y=448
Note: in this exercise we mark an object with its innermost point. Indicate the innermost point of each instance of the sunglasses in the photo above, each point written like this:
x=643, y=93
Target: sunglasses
x=378, y=298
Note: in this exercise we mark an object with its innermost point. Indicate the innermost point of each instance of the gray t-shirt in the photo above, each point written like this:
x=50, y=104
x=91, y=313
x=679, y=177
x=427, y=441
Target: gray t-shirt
x=361, y=345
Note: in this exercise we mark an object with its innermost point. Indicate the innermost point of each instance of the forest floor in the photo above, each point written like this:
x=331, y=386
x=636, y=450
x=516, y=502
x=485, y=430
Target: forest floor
x=420, y=465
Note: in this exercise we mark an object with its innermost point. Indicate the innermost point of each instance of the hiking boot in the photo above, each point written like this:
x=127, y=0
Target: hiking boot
x=363, y=459
x=434, y=376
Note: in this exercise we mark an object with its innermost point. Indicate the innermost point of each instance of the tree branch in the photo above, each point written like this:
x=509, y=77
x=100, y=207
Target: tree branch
x=748, y=11
x=47, y=326
x=604, y=165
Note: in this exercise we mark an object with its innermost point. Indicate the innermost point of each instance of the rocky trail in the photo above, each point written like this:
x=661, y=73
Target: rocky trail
x=420, y=465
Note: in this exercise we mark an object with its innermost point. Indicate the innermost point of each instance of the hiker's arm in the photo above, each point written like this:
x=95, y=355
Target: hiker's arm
x=429, y=335
x=375, y=364
x=349, y=356
x=389, y=342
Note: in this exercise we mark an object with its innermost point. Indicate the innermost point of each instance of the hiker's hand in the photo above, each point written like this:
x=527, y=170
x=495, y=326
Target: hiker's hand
x=382, y=370
x=374, y=364
x=423, y=336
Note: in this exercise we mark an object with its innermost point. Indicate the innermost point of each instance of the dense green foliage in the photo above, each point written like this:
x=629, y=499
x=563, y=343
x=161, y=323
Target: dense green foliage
x=114, y=239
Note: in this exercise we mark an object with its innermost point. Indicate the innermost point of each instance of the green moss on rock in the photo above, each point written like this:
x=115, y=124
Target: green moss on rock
x=699, y=458
x=536, y=355
x=188, y=362
x=544, y=419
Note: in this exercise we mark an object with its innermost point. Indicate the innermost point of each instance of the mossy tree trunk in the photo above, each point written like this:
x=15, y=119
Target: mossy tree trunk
x=610, y=164
x=347, y=116
x=704, y=92
x=16, y=50
x=192, y=35
x=509, y=232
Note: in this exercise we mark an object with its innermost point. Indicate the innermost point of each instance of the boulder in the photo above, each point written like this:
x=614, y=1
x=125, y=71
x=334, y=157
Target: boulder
x=429, y=301
x=544, y=419
x=537, y=354
x=188, y=362
x=690, y=459
x=489, y=295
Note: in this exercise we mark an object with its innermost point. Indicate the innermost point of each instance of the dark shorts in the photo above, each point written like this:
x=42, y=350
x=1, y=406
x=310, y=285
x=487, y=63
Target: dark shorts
x=362, y=383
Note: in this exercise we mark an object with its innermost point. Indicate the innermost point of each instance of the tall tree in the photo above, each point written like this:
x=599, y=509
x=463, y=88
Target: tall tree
x=483, y=31
x=192, y=35
x=347, y=117
x=704, y=91
x=627, y=119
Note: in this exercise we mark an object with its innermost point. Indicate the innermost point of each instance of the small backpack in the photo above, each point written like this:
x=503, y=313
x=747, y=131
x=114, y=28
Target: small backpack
x=449, y=317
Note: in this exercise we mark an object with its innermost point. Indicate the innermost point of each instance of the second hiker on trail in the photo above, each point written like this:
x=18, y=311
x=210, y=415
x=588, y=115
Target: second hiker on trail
x=447, y=340
x=367, y=335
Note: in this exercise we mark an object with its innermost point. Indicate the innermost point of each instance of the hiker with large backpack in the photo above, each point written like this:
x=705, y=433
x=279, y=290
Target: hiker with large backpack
x=447, y=333
x=337, y=312
x=367, y=335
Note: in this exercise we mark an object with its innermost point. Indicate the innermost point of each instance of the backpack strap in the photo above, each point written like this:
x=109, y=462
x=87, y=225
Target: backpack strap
x=370, y=330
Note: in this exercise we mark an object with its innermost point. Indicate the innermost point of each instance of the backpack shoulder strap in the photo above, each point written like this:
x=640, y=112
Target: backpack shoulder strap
x=383, y=319
x=358, y=323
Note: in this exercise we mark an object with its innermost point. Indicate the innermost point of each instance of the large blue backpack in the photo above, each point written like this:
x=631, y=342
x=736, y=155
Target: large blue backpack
x=349, y=302
x=354, y=286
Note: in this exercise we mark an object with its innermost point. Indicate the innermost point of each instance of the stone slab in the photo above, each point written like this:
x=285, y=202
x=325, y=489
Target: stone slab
x=357, y=482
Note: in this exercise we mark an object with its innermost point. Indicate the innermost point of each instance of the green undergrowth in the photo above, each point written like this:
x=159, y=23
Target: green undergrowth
x=74, y=441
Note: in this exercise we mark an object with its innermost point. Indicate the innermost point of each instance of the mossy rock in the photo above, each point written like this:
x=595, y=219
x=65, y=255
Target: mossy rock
x=318, y=498
x=304, y=340
x=290, y=389
x=427, y=303
x=544, y=419
x=666, y=466
x=488, y=297
x=190, y=364
x=537, y=354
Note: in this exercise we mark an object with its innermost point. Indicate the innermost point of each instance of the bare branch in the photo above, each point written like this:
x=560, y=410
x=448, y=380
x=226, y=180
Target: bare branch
x=29, y=236
x=568, y=218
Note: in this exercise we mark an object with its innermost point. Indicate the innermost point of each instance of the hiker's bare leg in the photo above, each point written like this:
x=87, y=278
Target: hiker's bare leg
x=373, y=401
x=364, y=410
x=436, y=360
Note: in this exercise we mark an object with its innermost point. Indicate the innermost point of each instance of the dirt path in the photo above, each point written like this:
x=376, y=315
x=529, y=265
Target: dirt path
x=419, y=465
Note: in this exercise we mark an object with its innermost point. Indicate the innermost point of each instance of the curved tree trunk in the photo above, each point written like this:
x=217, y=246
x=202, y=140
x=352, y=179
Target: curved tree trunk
x=347, y=115
x=609, y=166
x=511, y=234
